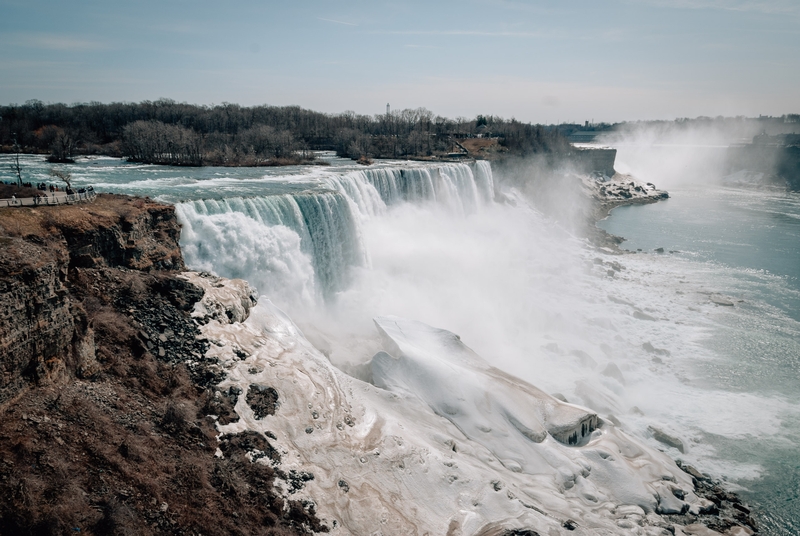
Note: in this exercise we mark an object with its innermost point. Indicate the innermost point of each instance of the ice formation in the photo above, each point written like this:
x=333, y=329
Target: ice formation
x=443, y=443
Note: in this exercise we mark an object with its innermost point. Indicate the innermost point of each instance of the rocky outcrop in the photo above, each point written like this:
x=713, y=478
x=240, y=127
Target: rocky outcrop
x=45, y=335
x=107, y=391
x=131, y=233
x=36, y=319
x=622, y=189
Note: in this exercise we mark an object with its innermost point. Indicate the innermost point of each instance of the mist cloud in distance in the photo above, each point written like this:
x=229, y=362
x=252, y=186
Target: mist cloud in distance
x=678, y=154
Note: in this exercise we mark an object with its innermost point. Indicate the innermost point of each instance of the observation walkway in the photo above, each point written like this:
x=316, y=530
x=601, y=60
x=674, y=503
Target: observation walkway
x=54, y=198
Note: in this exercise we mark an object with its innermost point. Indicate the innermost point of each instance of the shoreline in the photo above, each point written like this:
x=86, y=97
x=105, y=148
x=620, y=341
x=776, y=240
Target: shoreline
x=730, y=511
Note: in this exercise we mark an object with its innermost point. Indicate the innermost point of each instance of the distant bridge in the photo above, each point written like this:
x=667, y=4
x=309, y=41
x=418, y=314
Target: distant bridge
x=53, y=198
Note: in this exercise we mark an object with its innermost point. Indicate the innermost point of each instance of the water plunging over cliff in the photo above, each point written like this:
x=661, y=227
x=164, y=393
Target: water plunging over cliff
x=309, y=241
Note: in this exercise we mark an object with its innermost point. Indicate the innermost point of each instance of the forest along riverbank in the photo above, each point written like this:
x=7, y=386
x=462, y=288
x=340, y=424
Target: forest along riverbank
x=180, y=134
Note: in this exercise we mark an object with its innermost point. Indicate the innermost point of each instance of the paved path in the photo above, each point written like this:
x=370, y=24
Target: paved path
x=55, y=198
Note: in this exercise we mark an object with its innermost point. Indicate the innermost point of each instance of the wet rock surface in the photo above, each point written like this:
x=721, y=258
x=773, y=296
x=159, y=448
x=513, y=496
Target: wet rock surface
x=724, y=511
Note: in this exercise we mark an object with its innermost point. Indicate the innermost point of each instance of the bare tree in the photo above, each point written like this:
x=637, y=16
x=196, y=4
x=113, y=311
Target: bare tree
x=64, y=176
x=15, y=166
x=62, y=147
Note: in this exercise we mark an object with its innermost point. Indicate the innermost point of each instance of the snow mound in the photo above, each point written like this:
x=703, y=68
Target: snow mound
x=487, y=404
x=444, y=444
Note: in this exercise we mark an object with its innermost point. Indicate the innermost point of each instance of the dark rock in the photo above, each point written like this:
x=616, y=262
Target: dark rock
x=262, y=400
x=667, y=439
x=248, y=442
x=297, y=480
x=697, y=475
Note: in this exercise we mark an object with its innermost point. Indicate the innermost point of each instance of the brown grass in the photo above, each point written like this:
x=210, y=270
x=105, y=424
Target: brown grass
x=480, y=146
x=43, y=221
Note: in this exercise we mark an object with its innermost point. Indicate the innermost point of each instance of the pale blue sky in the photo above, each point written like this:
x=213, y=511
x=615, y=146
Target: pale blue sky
x=536, y=61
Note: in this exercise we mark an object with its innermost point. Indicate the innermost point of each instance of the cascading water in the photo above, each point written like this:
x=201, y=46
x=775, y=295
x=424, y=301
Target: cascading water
x=460, y=187
x=303, y=246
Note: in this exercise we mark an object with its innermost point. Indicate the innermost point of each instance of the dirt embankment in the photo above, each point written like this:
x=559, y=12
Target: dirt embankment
x=484, y=148
x=106, y=397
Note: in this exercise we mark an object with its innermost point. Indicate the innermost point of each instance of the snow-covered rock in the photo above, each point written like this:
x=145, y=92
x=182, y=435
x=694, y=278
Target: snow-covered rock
x=442, y=444
x=225, y=300
x=621, y=189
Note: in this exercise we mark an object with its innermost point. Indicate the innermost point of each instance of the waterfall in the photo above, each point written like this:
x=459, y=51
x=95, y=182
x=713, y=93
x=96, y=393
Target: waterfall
x=459, y=187
x=308, y=242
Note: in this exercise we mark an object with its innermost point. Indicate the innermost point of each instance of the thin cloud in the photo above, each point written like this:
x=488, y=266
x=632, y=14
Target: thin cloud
x=773, y=7
x=467, y=33
x=338, y=21
x=52, y=42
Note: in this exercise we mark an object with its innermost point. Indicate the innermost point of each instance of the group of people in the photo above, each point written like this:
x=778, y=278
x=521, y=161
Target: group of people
x=43, y=198
x=43, y=186
x=69, y=191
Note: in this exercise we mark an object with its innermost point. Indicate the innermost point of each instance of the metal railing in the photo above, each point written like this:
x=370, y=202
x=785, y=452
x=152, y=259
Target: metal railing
x=45, y=199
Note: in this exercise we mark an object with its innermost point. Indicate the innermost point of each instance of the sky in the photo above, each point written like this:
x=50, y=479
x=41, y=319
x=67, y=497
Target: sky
x=540, y=62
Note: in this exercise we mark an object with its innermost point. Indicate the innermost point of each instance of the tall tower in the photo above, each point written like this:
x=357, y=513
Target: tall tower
x=387, y=108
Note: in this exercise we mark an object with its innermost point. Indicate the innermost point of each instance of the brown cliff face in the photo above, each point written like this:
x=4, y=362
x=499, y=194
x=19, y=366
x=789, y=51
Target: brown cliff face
x=44, y=333
x=36, y=321
x=106, y=393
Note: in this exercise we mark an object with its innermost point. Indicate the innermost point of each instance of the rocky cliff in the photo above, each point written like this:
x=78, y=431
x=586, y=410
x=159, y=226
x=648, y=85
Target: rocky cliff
x=594, y=161
x=779, y=163
x=106, y=392
x=46, y=334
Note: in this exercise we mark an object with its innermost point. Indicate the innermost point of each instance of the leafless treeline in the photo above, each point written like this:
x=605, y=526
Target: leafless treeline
x=168, y=132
